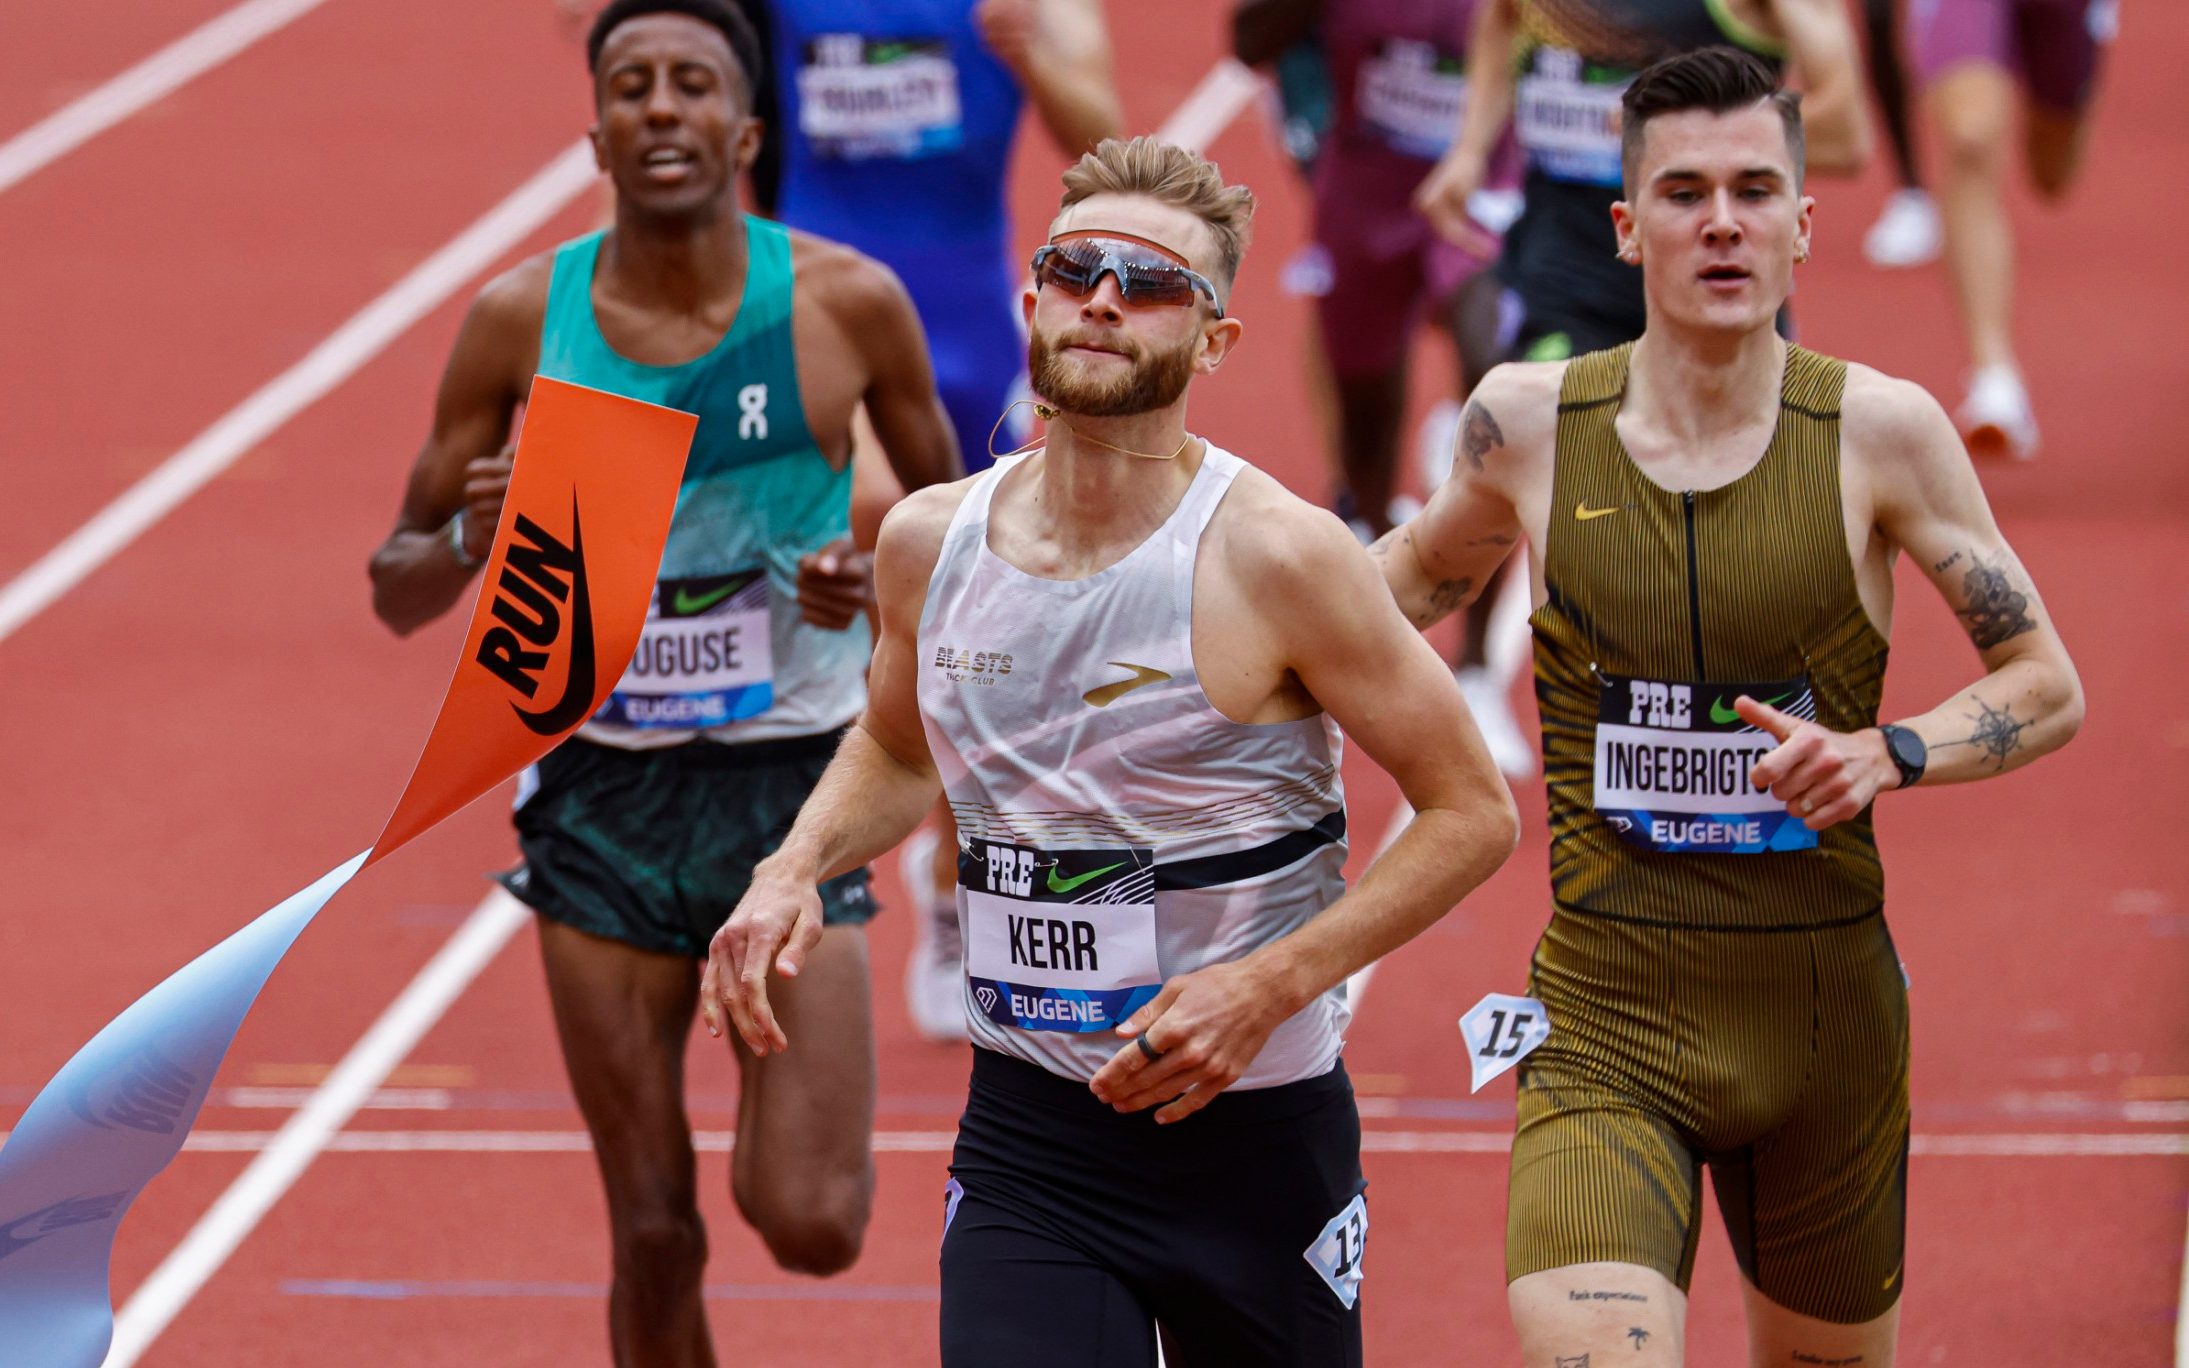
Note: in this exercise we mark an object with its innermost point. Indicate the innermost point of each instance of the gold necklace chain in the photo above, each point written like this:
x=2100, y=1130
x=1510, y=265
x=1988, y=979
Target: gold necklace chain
x=1050, y=415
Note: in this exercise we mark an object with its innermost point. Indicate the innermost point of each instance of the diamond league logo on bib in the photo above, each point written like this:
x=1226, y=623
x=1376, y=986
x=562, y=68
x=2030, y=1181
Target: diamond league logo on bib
x=1672, y=766
x=1059, y=940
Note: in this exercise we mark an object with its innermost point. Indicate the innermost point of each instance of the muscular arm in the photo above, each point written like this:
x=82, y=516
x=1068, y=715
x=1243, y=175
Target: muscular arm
x=1827, y=65
x=415, y=574
x=1930, y=505
x=1322, y=605
x=877, y=787
x=1396, y=700
x=1438, y=562
x=882, y=780
x=901, y=402
x=1060, y=52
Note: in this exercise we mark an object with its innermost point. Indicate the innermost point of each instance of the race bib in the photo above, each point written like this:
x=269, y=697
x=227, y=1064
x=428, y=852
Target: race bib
x=1410, y=95
x=1500, y=1031
x=1059, y=940
x=1672, y=763
x=1338, y=1251
x=861, y=98
x=705, y=658
x=1567, y=118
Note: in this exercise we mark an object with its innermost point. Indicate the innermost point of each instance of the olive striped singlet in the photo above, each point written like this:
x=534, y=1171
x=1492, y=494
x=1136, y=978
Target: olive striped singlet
x=1729, y=587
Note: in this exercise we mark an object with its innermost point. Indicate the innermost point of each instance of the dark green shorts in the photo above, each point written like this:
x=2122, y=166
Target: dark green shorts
x=654, y=848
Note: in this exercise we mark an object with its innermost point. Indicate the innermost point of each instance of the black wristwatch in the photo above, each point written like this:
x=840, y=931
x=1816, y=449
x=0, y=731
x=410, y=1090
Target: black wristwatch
x=1909, y=754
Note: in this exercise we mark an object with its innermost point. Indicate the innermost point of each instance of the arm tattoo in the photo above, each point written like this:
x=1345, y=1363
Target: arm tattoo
x=1448, y=594
x=1478, y=433
x=1996, y=610
x=1389, y=542
x=1947, y=563
x=1997, y=734
x=1638, y=1335
x=1577, y=1361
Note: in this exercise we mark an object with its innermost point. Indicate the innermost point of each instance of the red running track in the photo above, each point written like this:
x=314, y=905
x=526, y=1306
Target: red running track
x=214, y=718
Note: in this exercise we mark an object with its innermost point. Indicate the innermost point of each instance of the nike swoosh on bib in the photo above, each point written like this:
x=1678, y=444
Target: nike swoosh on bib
x=1107, y=694
x=1723, y=714
x=685, y=603
x=1057, y=885
x=1582, y=512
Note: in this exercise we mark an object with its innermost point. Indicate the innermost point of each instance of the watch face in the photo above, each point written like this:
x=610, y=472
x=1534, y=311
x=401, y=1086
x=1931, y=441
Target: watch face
x=1907, y=749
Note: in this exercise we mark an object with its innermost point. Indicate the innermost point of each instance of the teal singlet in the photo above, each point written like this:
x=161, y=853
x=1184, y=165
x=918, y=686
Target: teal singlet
x=725, y=654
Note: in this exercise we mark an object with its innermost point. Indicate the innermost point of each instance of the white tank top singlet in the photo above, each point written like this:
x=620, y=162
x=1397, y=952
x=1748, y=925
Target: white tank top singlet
x=1114, y=829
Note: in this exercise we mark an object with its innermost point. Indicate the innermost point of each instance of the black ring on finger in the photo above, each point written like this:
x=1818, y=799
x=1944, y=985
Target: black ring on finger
x=1152, y=1054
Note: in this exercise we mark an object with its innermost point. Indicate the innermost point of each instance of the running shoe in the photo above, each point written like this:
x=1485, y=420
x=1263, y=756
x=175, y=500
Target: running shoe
x=1995, y=419
x=1510, y=750
x=934, y=973
x=1907, y=234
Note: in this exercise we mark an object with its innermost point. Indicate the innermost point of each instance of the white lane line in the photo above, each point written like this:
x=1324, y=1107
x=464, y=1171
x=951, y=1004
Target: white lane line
x=2033, y=1145
x=1208, y=110
x=284, y=1156
x=333, y=361
x=173, y=66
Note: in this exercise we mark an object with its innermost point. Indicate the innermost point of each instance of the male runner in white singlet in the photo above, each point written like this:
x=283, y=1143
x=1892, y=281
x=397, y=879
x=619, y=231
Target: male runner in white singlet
x=1125, y=658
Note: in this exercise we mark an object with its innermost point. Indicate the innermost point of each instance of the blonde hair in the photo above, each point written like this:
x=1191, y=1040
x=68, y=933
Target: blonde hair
x=1175, y=176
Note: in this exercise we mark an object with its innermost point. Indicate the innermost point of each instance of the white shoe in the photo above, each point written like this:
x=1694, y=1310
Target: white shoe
x=1509, y=750
x=1995, y=419
x=934, y=973
x=1435, y=442
x=1907, y=234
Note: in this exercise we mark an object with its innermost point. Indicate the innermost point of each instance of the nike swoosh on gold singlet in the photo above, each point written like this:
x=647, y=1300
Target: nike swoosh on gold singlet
x=1582, y=512
x=1107, y=694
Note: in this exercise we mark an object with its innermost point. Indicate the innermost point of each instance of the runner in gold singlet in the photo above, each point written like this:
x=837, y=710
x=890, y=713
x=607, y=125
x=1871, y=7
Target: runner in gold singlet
x=1716, y=514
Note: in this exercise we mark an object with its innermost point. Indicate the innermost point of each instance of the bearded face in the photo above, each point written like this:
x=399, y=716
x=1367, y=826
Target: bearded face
x=1106, y=375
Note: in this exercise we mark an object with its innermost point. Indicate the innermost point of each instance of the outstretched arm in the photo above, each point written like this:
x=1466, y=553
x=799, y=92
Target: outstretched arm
x=876, y=789
x=1930, y=505
x=1346, y=643
x=1060, y=52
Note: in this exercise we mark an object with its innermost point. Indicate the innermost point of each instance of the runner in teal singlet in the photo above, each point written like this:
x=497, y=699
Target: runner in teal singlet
x=639, y=834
